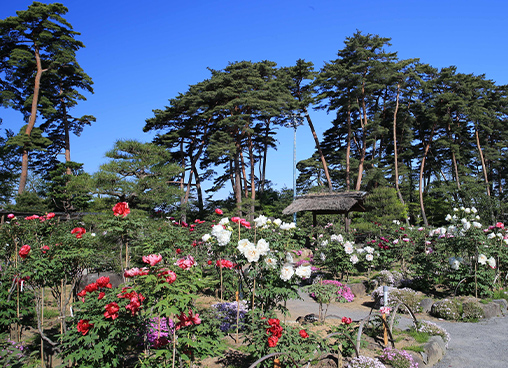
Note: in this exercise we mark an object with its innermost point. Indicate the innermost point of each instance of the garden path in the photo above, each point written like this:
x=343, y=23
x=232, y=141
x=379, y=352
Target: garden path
x=472, y=345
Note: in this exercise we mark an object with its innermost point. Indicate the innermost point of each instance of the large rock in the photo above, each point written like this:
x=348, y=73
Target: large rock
x=491, y=309
x=358, y=289
x=503, y=304
x=426, y=304
x=114, y=278
x=434, y=350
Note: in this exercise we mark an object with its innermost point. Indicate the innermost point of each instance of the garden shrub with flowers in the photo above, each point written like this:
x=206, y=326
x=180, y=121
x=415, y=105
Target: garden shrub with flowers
x=398, y=358
x=153, y=318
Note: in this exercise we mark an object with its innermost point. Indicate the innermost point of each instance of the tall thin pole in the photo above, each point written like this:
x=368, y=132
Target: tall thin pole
x=294, y=164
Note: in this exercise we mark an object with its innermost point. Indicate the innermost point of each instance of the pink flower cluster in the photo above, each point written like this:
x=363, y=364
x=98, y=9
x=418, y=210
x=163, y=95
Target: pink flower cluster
x=185, y=263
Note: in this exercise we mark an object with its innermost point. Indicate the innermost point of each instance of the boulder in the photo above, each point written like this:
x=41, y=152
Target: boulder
x=434, y=350
x=358, y=289
x=491, y=309
x=426, y=304
x=503, y=304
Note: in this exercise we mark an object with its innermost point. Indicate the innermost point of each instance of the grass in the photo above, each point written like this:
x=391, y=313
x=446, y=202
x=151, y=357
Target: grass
x=415, y=348
x=50, y=313
x=420, y=337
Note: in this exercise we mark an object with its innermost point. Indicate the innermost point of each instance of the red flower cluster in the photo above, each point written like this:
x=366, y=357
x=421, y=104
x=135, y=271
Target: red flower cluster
x=347, y=320
x=79, y=231
x=187, y=320
x=135, y=300
x=241, y=221
x=304, y=334
x=121, y=209
x=44, y=248
x=224, y=263
x=275, y=330
x=185, y=263
x=136, y=272
x=23, y=252
x=84, y=326
x=198, y=221
x=37, y=217
x=169, y=275
x=152, y=259
x=101, y=283
x=111, y=310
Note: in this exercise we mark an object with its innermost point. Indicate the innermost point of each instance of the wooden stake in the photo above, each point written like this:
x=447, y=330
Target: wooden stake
x=385, y=331
x=237, y=314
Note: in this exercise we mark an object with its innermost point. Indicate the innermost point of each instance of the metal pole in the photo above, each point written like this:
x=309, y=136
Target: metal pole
x=294, y=165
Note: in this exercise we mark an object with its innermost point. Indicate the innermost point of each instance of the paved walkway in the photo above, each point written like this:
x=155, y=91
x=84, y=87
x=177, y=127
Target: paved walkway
x=472, y=345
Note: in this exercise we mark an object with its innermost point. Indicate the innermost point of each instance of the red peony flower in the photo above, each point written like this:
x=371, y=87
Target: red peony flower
x=90, y=288
x=136, y=272
x=82, y=293
x=185, y=263
x=245, y=223
x=23, y=252
x=101, y=295
x=188, y=321
x=10, y=216
x=103, y=282
x=50, y=215
x=224, y=263
x=178, y=251
x=209, y=262
x=121, y=209
x=304, y=334
x=111, y=310
x=500, y=225
x=84, y=326
x=44, y=248
x=218, y=211
x=236, y=219
x=79, y=231
x=152, y=259
x=272, y=341
x=135, y=302
x=346, y=320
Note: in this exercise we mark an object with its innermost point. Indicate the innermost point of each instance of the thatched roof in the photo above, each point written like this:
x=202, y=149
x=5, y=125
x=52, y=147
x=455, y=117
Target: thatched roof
x=328, y=203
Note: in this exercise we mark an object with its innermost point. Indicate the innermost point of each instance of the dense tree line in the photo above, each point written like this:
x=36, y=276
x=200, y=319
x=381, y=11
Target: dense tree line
x=436, y=136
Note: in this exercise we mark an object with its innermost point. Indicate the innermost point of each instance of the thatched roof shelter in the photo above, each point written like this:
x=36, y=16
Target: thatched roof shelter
x=328, y=203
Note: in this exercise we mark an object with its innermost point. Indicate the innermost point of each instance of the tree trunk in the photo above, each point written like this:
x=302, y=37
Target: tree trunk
x=483, y=161
x=420, y=189
x=395, y=152
x=262, y=173
x=252, y=180
x=31, y=122
x=316, y=140
x=454, y=158
x=363, y=121
x=183, y=215
x=238, y=180
x=348, y=150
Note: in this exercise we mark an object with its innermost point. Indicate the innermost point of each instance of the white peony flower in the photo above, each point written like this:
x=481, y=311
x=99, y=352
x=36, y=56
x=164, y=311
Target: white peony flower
x=251, y=253
x=277, y=222
x=303, y=271
x=224, y=237
x=348, y=247
x=263, y=247
x=492, y=262
x=454, y=263
x=286, y=226
x=369, y=249
x=491, y=236
x=369, y=257
x=289, y=258
x=286, y=272
x=337, y=238
x=448, y=217
x=466, y=226
x=260, y=221
x=322, y=256
x=482, y=259
x=354, y=259
x=467, y=210
x=206, y=237
x=324, y=243
x=217, y=229
x=474, y=210
x=271, y=262
x=477, y=225
x=243, y=244
x=224, y=221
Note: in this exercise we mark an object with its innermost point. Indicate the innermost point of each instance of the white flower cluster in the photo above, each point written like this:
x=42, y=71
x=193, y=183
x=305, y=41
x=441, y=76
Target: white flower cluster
x=459, y=224
x=264, y=223
x=483, y=260
x=253, y=252
x=222, y=235
x=287, y=271
x=350, y=249
x=455, y=262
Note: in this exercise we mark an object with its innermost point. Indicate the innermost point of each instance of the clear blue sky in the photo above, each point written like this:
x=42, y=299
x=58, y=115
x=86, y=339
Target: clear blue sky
x=140, y=54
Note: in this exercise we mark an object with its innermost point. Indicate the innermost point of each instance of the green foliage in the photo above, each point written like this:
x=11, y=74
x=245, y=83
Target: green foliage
x=384, y=207
x=420, y=337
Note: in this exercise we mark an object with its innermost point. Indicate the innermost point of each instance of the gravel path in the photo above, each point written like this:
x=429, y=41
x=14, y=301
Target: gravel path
x=472, y=345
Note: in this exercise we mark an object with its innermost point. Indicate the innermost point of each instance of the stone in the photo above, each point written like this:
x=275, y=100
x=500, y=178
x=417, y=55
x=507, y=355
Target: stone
x=503, y=304
x=114, y=278
x=434, y=350
x=358, y=289
x=491, y=310
x=328, y=361
x=426, y=304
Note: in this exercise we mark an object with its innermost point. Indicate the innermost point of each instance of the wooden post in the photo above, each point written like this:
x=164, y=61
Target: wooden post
x=276, y=363
x=385, y=331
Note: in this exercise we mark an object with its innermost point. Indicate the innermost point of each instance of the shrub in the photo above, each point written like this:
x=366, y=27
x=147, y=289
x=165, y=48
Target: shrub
x=398, y=358
x=390, y=278
x=13, y=354
x=365, y=362
x=408, y=296
x=471, y=311
x=432, y=329
x=446, y=309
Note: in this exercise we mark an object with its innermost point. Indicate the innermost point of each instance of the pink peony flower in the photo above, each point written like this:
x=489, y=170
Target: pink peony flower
x=152, y=259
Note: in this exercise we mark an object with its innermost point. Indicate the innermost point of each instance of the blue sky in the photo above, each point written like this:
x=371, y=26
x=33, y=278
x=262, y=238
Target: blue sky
x=140, y=54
